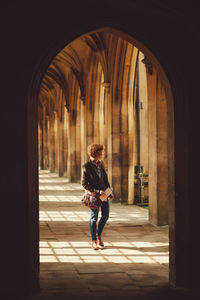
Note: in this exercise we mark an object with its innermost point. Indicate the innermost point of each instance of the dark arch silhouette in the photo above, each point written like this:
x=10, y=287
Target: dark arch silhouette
x=34, y=35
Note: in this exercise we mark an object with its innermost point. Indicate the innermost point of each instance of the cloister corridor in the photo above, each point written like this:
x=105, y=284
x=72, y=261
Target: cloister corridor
x=123, y=74
x=100, y=88
x=133, y=262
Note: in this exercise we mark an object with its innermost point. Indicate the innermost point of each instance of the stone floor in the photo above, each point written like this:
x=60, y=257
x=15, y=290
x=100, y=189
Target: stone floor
x=133, y=264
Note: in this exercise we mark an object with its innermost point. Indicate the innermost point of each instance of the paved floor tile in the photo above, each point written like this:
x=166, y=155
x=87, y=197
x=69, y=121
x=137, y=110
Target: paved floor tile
x=133, y=264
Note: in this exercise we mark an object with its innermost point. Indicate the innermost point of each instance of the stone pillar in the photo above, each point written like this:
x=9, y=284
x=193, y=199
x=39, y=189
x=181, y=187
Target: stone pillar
x=65, y=142
x=83, y=129
x=56, y=142
x=77, y=167
x=60, y=147
x=115, y=112
x=130, y=157
x=153, y=183
x=90, y=104
x=141, y=109
x=142, y=86
x=60, y=132
x=71, y=174
x=96, y=116
x=162, y=155
x=108, y=118
x=68, y=129
x=73, y=145
x=132, y=146
x=124, y=147
x=41, y=145
x=45, y=139
x=126, y=114
x=158, y=151
x=102, y=119
x=52, y=143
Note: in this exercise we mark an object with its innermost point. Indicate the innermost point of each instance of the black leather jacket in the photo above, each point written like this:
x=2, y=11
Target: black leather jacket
x=90, y=179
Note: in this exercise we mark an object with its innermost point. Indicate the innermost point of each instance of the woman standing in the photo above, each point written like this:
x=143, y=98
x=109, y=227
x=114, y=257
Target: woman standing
x=95, y=179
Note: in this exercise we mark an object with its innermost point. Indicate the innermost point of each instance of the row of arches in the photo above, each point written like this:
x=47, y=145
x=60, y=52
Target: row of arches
x=100, y=88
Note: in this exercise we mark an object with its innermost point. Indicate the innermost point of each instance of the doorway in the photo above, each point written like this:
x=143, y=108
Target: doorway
x=76, y=101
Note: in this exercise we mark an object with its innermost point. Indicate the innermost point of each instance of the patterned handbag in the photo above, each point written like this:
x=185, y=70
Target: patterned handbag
x=91, y=200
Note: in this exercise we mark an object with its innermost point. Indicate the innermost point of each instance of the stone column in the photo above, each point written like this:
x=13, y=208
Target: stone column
x=132, y=146
x=77, y=167
x=41, y=145
x=89, y=102
x=108, y=119
x=153, y=180
x=158, y=151
x=102, y=120
x=130, y=157
x=56, y=142
x=71, y=174
x=126, y=116
x=65, y=142
x=45, y=137
x=60, y=147
x=162, y=155
x=98, y=87
x=52, y=143
x=142, y=86
x=115, y=112
x=141, y=109
x=124, y=147
x=68, y=129
x=83, y=129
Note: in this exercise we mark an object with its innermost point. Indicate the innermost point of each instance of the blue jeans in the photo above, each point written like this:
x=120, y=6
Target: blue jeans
x=94, y=230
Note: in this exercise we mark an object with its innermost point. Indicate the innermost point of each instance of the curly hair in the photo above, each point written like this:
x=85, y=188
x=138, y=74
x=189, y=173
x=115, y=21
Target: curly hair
x=94, y=150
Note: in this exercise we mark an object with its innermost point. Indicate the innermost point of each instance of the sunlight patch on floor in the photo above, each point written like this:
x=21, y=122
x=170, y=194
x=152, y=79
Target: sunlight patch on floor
x=113, y=252
x=63, y=216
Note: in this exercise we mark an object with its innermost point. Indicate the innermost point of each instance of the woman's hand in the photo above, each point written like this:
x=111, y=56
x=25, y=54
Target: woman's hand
x=102, y=193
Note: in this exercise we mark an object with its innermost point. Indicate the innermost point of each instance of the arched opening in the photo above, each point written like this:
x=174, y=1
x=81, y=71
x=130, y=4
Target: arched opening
x=124, y=71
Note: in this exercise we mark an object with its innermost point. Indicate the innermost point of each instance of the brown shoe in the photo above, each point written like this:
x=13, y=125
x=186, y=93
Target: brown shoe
x=100, y=242
x=94, y=245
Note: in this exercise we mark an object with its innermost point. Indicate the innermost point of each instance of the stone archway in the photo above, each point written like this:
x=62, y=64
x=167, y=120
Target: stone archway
x=87, y=70
x=159, y=92
x=33, y=35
